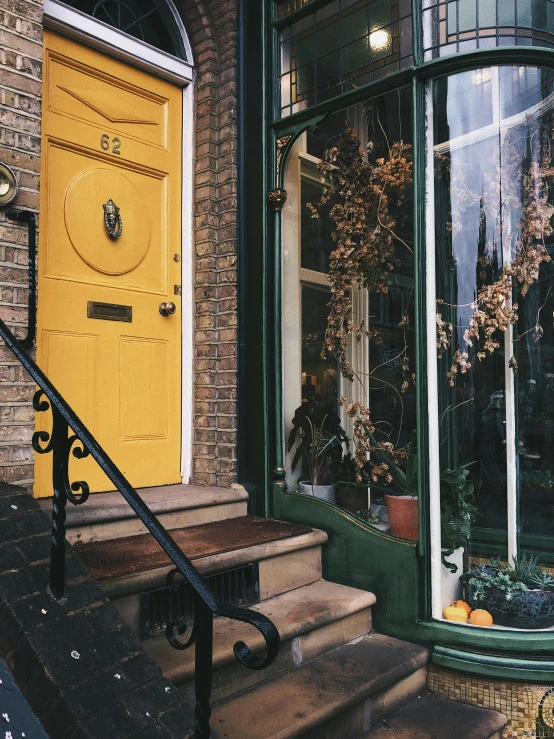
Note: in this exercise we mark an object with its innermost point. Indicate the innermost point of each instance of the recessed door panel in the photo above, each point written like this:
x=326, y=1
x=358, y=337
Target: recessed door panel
x=141, y=374
x=78, y=245
x=111, y=225
x=100, y=99
x=82, y=351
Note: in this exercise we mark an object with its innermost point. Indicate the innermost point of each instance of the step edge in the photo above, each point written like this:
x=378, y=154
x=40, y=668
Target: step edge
x=224, y=657
x=335, y=707
x=501, y=719
x=119, y=587
x=120, y=510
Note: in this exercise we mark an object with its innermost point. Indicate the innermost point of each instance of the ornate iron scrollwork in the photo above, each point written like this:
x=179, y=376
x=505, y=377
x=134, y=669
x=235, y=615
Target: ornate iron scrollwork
x=179, y=626
x=112, y=219
x=281, y=145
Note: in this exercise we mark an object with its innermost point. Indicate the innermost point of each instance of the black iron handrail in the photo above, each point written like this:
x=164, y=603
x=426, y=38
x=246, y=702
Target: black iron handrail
x=206, y=606
x=28, y=217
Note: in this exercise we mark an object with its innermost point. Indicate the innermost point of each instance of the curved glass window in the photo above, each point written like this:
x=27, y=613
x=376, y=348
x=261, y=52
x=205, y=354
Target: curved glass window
x=150, y=21
x=492, y=161
x=450, y=26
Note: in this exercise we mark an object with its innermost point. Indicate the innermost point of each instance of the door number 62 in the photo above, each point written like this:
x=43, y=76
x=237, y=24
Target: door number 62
x=105, y=143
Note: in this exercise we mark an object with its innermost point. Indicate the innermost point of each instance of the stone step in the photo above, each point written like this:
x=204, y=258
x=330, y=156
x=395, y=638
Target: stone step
x=337, y=695
x=288, y=556
x=108, y=515
x=311, y=620
x=432, y=717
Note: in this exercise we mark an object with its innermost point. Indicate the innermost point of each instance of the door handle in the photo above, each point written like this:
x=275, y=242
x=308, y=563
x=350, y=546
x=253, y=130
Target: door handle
x=25, y=216
x=167, y=309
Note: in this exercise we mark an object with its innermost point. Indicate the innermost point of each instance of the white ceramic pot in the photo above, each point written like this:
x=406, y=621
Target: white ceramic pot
x=325, y=492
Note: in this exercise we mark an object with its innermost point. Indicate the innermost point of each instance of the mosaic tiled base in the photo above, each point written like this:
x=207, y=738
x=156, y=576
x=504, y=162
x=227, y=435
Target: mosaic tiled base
x=529, y=708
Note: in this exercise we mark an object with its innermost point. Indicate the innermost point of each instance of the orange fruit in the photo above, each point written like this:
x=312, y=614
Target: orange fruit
x=455, y=614
x=480, y=617
x=462, y=604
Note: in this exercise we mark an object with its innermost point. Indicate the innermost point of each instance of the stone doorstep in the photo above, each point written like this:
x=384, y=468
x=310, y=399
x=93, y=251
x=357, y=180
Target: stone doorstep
x=109, y=516
x=306, y=699
x=439, y=718
x=277, y=573
x=280, y=567
x=311, y=620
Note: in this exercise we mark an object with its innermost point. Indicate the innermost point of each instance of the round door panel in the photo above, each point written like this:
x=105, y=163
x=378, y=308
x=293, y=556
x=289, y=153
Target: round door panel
x=107, y=221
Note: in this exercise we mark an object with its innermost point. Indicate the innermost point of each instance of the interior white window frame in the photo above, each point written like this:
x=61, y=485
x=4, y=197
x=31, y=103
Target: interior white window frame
x=497, y=125
x=294, y=278
x=119, y=45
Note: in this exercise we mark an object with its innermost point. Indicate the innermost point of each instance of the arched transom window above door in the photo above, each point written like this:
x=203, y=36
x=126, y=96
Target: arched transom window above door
x=151, y=21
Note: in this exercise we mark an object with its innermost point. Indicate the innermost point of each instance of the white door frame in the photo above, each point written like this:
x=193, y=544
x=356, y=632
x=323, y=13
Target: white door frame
x=112, y=42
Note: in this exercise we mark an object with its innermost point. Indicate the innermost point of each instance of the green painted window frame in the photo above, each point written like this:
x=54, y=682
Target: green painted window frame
x=424, y=629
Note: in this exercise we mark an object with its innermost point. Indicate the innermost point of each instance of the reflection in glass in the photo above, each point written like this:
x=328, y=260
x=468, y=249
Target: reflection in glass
x=494, y=203
x=451, y=26
x=319, y=376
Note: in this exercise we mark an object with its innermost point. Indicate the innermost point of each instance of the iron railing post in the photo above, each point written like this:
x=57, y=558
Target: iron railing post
x=203, y=626
x=60, y=434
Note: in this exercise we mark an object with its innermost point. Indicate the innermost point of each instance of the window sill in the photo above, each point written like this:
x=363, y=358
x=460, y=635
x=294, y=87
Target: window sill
x=495, y=666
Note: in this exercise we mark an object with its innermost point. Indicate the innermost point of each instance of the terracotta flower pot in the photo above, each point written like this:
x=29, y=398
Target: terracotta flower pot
x=403, y=518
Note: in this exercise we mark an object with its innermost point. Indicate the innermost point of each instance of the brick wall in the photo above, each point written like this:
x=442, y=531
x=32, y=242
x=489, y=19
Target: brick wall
x=20, y=103
x=211, y=26
x=212, y=29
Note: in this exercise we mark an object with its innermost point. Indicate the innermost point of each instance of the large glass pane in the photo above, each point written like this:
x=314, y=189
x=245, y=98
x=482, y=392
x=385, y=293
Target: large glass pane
x=356, y=208
x=494, y=204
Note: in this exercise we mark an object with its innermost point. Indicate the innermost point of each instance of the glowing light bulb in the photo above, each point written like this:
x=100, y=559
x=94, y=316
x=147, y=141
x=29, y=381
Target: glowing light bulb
x=379, y=40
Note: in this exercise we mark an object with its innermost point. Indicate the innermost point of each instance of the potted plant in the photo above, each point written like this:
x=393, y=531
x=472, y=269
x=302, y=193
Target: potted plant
x=351, y=494
x=394, y=467
x=401, y=503
x=316, y=427
x=458, y=510
x=519, y=595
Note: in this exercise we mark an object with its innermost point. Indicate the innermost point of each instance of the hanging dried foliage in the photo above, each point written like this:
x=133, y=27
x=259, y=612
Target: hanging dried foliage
x=361, y=194
x=494, y=312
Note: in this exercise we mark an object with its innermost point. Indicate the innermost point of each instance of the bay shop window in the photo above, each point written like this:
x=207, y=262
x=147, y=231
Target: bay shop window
x=446, y=355
x=490, y=178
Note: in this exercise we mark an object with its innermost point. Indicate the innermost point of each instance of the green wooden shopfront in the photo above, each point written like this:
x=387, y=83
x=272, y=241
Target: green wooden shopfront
x=466, y=88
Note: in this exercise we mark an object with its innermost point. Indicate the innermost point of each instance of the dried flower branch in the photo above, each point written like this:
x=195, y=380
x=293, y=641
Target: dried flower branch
x=362, y=194
x=494, y=311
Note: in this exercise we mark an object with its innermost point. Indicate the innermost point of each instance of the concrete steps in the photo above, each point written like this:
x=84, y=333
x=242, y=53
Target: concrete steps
x=287, y=556
x=432, y=717
x=336, y=695
x=333, y=679
x=311, y=620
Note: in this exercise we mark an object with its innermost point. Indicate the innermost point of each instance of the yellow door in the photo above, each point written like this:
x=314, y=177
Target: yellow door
x=110, y=244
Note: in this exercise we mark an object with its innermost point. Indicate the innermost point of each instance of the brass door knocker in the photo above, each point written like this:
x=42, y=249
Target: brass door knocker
x=112, y=219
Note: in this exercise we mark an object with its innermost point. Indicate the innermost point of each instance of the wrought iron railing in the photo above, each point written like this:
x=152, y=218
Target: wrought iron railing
x=81, y=444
